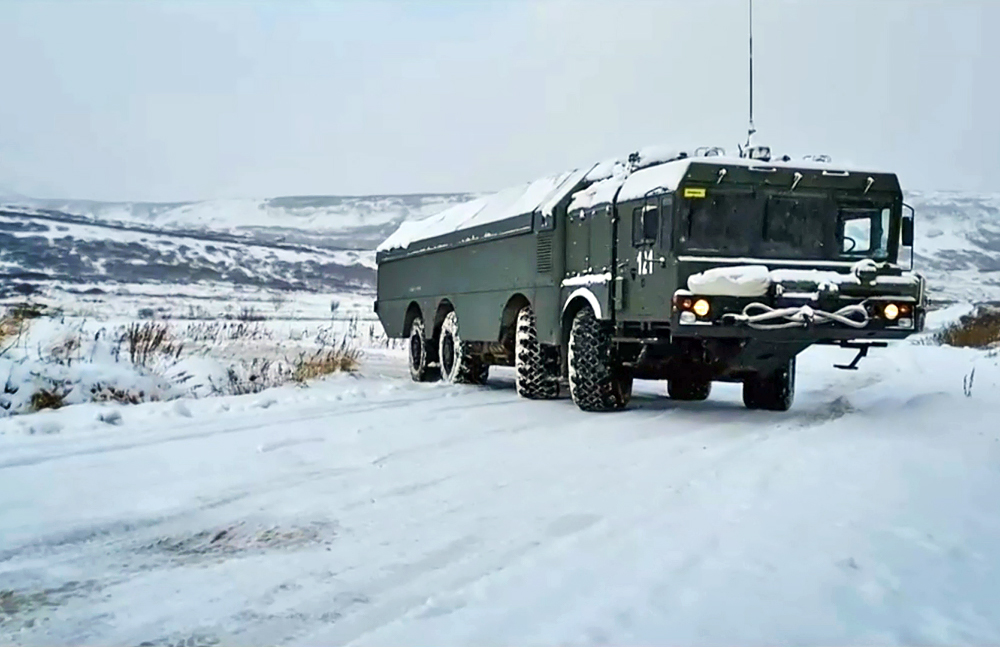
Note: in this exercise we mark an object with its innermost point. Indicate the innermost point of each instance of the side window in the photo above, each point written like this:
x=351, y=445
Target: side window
x=636, y=226
x=864, y=231
x=645, y=224
x=666, y=221
x=650, y=223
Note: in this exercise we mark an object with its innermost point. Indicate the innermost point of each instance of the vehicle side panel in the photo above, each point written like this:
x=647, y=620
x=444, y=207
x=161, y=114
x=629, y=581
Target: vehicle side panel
x=477, y=278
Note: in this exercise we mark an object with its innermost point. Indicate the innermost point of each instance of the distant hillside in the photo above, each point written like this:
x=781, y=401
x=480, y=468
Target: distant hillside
x=958, y=244
x=340, y=222
x=324, y=243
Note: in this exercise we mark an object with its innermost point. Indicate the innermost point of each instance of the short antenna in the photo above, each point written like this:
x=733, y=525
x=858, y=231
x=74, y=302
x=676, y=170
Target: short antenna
x=752, y=130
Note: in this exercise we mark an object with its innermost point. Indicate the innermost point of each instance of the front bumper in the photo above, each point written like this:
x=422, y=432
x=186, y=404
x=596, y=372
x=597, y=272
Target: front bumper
x=791, y=319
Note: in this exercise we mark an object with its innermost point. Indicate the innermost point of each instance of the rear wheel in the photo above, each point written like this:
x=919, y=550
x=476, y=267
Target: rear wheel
x=596, y=381
x=774, y=392
x=687, y=389
x=419, y=371
x=536, y=375
x=458, y=365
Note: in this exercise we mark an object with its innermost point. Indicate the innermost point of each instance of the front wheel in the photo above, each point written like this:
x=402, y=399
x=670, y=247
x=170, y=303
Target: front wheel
x=596, y=381
x=774, y=392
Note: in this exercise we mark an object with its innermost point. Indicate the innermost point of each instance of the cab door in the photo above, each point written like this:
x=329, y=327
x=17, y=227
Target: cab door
x=644, y=244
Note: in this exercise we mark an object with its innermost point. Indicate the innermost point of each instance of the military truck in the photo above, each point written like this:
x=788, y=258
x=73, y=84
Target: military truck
x=685, y=267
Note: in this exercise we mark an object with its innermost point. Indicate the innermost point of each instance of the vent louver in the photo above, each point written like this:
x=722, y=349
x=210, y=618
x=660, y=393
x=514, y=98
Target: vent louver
x=544, y=252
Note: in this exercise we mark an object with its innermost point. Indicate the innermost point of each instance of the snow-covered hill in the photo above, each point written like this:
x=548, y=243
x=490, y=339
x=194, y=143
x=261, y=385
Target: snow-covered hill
x=323, y=244
x=212, y=251
x=349, y=222
x=40, y=248
x=958, y=244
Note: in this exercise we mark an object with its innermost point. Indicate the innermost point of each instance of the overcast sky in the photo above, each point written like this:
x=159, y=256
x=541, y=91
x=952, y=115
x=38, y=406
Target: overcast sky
x=149, y=100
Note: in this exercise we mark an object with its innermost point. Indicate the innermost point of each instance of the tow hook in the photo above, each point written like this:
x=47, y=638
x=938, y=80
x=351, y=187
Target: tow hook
x=862, y=353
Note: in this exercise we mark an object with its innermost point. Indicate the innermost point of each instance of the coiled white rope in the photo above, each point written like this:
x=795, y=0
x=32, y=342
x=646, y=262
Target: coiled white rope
x=854, y=316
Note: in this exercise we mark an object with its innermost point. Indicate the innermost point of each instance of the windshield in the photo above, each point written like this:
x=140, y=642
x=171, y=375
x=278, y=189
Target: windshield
x=801, y=226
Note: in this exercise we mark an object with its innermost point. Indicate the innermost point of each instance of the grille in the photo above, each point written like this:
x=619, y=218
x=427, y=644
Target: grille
x=544, y=252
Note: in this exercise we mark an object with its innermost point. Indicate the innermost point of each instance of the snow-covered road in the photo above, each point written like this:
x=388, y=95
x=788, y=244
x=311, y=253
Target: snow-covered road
x=371, y=510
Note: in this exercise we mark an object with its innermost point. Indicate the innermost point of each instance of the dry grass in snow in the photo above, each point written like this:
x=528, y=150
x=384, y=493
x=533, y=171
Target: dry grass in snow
x=46, y=363
x=979, y=329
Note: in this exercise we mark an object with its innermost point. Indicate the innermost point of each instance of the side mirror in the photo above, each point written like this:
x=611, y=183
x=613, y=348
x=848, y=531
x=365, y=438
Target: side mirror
x=906, y=230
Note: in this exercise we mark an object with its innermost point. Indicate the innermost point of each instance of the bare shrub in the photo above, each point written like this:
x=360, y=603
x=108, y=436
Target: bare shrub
x=979, y=329
x=341, y=358
x=198, y=311
x=324, y=362
x=66, y=350
x=249, y=313
x=12, y=328
x=105, y=393
x=50, y=398
x=253, y=376
x=148, y=342
x=219, y=331
x=15, y=322
x=30, y=310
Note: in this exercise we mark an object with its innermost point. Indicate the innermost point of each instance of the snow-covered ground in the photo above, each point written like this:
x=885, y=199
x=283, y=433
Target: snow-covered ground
x=367, y=509
x=372, y=510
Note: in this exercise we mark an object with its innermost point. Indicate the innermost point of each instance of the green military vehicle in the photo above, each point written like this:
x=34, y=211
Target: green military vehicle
x=689, y=268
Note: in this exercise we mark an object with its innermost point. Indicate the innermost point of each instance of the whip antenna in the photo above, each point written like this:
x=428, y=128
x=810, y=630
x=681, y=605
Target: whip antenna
x=752, y=130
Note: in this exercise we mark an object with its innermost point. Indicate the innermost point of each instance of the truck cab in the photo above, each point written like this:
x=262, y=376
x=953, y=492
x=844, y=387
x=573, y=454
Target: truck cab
x=724, y=269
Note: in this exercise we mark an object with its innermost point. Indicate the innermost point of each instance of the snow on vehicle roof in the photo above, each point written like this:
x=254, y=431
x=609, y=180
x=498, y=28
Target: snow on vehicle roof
x=649, y=169
x=650, y=155
x=598, y=193
x=605, y=169
x=567, y=185
x=611, y=174
x=667, y=176
x=664, y=176
x=543, y=194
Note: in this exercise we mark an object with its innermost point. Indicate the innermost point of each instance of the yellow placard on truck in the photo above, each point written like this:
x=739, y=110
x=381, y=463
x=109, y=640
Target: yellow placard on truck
x=694, y=192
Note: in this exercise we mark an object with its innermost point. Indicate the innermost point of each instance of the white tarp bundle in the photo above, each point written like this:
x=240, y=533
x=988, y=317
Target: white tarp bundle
x=738, y=281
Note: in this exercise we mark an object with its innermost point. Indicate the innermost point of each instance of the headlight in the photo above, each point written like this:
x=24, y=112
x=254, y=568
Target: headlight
x=891, y=311
x=701, y=307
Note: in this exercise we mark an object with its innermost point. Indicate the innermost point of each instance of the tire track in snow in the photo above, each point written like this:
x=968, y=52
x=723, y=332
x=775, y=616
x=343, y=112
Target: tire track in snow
x=317, y=413
x=603, y=533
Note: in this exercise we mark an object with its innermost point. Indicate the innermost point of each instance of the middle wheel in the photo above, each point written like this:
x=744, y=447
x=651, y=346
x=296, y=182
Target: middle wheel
x=458, y=364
